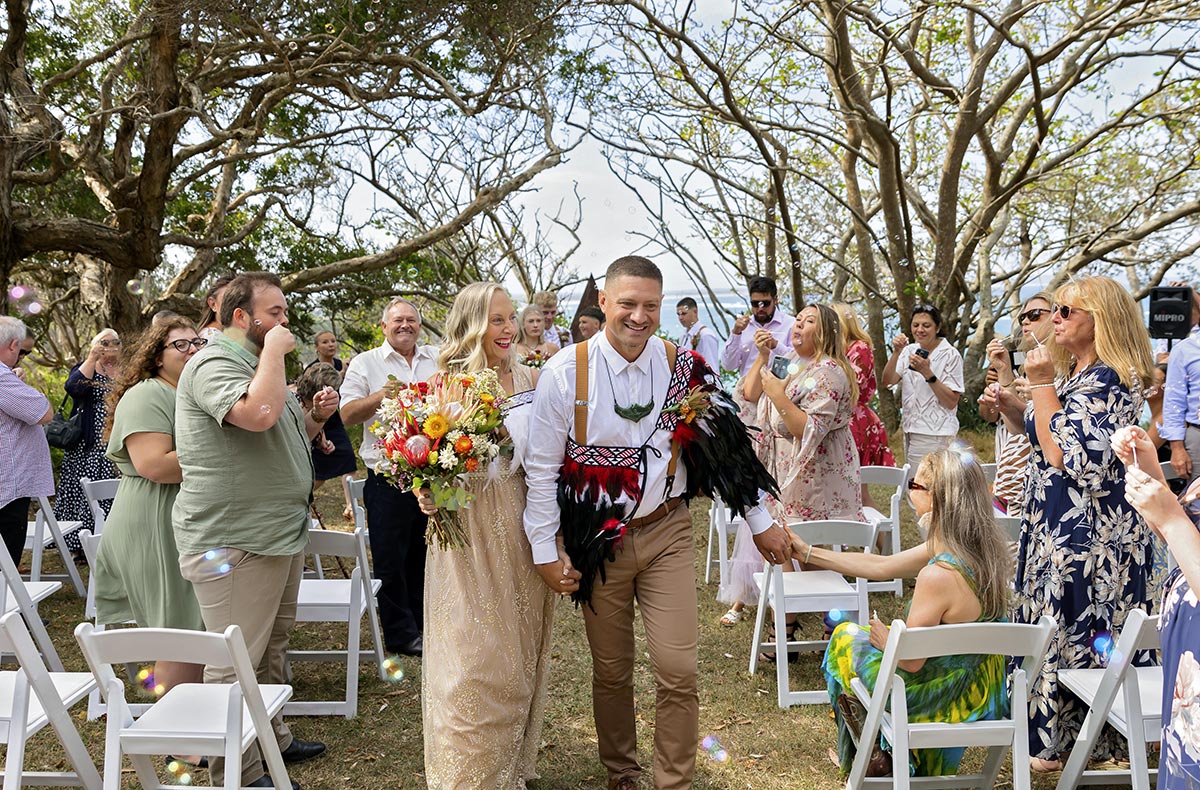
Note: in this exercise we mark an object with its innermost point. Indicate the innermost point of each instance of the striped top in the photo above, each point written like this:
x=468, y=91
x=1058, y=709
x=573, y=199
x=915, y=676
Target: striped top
x=25, y=469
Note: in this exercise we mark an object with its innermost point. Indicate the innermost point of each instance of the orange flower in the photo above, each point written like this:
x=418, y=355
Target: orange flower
x=463, y=445
x=471, y=464
x=468, y=381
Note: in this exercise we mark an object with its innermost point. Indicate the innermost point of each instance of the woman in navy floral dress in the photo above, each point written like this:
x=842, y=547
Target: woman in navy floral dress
x=1084, y=553
x=1179, y=624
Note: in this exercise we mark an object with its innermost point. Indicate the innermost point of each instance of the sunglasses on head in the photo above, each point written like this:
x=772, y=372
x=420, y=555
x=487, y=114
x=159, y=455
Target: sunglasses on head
x=1032, y=314
x=182, y=345
x=1065, y=310
x=913, y=485
x=760, y=303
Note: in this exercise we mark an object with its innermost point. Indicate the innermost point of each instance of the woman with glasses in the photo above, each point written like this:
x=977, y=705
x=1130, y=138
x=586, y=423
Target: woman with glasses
x=88, y=384
x=1034, y=328
x=963, y=576
x=1085, y=554
x=929, y=372
x=137, y=568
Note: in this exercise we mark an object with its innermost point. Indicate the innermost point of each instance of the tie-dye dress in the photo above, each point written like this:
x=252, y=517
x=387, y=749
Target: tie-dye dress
x=952, y=689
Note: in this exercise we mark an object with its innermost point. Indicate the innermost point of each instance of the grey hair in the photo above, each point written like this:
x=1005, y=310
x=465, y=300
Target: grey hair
x=396, y=301
x=11, y=329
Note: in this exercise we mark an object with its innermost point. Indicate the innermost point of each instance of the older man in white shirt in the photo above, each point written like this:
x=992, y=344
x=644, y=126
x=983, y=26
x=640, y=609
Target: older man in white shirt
x=397, y=526
x=740, y=353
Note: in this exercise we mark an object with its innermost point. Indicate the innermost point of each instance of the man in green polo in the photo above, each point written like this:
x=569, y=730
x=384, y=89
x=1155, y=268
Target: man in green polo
x=241, y=518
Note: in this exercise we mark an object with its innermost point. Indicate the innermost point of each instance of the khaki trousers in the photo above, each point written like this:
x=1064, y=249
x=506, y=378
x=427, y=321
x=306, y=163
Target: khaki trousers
x=258, y=593
x=656, y=567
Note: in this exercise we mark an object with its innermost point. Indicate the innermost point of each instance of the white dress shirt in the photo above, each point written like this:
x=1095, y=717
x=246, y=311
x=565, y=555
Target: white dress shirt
x=369, y=371
x=920, y=409
x=704, y=342
x=553, y=421
x=740, y=353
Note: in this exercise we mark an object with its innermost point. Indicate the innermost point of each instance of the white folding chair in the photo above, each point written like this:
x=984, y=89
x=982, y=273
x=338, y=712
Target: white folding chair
x=896, y=477
x=359, y=505
x=339, y=601
x=45, y=531
x=191, y=718
x=989, y=473
x=721, y=525
x=96, y=492
x=18, y=595
x=808, y=591
x=32, y=697
x=887, y=707
x=1127, y=697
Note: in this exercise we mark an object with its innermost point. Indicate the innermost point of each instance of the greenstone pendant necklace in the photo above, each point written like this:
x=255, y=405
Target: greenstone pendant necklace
x=634, y=412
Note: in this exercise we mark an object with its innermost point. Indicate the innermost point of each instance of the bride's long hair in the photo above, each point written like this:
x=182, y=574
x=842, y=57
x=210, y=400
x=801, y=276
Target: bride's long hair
x=467, y=323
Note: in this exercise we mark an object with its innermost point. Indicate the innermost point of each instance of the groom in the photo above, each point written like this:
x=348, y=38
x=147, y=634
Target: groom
x=596, y=408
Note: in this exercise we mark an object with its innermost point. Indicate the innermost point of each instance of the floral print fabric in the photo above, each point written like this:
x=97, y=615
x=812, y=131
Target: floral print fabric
x=1179, y=628
x=870, y=436
x=1083, y=558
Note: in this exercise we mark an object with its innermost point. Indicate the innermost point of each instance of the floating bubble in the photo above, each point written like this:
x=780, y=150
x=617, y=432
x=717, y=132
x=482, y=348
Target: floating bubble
x=17, y=292
x=713, y=748
x=632, y=210
x=810, y=382
x=1102, y=643
x=369, y=27
x=903, y=262
x=223, y=568
x=329, y=28
x=412, y=272
x=210, y=555
x=836, y=615
x=135, y=287
x=721, y=756
x=292, y=45
x=793, y=368
x=33, y=308
x=265, y=408
x=393, y=669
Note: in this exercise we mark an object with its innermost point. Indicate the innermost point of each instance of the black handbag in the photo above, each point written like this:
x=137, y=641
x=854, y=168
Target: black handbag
x=65, y=432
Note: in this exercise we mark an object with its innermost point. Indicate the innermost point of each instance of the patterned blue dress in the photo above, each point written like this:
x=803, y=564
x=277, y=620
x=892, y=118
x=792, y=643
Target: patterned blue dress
x=1179, y=628
x=1084, y=555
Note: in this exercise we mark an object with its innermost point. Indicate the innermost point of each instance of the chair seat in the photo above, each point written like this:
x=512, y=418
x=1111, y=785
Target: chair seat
x=810, y=584
x=874, y=516
x=321, y=599
x=194, y=715
x=64, y=527
x=71, y=687
x=1084, y=683
x=38, y=591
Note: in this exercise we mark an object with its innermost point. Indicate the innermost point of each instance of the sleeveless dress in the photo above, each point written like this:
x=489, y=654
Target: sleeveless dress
x=947, y=688
x=870, y=435
x=137, y=569
x=488, y=619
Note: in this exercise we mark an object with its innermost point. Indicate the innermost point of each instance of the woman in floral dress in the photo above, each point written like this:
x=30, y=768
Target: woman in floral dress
x=870, y=435
x=1084, y=554
x=806, y=444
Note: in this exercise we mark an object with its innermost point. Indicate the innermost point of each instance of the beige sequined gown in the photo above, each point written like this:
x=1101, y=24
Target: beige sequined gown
x=488, y=618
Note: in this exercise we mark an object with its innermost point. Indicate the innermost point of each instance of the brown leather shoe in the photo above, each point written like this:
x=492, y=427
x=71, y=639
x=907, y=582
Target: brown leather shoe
x=623, y=783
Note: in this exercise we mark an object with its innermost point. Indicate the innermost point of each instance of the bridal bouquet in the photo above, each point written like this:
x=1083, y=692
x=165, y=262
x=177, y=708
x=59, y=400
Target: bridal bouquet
x=534, y=359
x=432, y=433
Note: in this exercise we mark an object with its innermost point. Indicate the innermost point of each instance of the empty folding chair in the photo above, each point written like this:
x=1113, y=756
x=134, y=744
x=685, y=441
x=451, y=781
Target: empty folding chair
x=887, y=524
x=816, y=591
x=1127, y=697
x=887, y=705
x=191, y=718
x=45, y=531
x=18, y=595
x=32, y=697
x=356, y=498
x=340, y=601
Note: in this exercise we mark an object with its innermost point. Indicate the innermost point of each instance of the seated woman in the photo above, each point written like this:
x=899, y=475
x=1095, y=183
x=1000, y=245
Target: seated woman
x=964, y=575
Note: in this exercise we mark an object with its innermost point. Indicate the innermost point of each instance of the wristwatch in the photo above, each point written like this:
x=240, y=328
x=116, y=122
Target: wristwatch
x=932, y=378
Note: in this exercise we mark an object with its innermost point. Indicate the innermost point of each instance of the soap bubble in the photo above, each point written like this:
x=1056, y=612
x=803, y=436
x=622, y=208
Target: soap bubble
x=793, y=368
x=329, y=28
x=369, y=27
x=393, y=669
x=135, y=287
x=33, y=308
x=1102, y=643
x=265, y=408
x=292, y=46
x=17, y=292
x=412, y=272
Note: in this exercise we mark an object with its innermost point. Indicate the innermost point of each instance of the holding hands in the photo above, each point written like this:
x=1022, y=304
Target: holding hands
x=560, y=576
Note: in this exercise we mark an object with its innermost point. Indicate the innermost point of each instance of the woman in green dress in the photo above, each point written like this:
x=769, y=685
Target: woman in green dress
x=137, y=568
x=964, y=575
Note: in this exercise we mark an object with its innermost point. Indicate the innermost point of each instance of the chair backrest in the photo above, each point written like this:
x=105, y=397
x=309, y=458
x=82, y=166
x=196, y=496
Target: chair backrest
x=1011, y=526
x=90, y=544
x=989, y=472
x=335, y=543
x=12, y=584
x=97, y=491
x=836, y=533
x=357, y=503
x=888, y=476
x=1168, y=471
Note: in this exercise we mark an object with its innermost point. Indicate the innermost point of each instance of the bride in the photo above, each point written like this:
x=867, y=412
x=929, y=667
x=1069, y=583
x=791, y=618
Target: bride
x=487, y=613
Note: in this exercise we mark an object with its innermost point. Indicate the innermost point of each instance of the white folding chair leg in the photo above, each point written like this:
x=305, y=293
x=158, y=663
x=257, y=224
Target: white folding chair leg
x=14, y=764
x=712, y=537
x=1020, y=748
x=783, y=695
x=759, y=616
x=900, y=751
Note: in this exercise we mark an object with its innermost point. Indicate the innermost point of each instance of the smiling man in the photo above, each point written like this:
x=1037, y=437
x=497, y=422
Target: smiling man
x=607, y=416
x=397, y=527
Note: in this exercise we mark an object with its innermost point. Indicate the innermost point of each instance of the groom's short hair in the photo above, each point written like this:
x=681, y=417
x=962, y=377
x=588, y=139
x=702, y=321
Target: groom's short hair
x=633, y=266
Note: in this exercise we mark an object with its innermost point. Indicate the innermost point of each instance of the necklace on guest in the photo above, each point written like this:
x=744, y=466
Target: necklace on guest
x=634, y=412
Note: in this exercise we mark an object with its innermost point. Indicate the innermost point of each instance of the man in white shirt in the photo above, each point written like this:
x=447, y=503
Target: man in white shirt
x=552, y=333
x=397, y=526
x=653, y=562
x=698, y=337
x=740, y=353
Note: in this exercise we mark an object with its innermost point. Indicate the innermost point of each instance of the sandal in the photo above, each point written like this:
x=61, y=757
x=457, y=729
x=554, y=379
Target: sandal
x=732, y=617
x=347, y=514
x=790, y=633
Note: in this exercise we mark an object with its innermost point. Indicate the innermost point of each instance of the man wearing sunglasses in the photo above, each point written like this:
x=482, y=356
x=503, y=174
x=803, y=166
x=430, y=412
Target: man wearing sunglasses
x=740, y=353
x=25, y=469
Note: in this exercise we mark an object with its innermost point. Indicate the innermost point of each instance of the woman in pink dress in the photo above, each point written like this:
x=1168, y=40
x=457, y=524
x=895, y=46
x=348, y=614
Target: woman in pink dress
x=870, y=435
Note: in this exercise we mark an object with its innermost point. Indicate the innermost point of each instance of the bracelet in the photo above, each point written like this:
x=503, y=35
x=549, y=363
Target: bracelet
x=808, y=554
x=1040, y=386
x=318, y=420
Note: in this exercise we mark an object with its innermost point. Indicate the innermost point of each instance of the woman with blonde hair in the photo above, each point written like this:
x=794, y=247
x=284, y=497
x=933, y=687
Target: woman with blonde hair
x=807, y=445
x=870, y=435
x=1084, y=555
x=963, y=574
x=533, y=347
x=88, y=384
x=488, y=616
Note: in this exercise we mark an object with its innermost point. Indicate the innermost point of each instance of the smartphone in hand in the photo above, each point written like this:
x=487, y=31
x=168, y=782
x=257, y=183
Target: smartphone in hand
x=922, y=353
x=779, y=367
